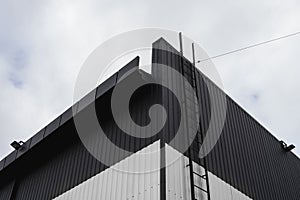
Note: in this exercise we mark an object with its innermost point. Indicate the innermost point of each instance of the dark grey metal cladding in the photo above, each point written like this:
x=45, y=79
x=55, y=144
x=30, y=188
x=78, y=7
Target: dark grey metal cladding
x=25, y=148
x=10, y=158
x=67, y=166
x=2, y=164
x=37, y=137
x=163, y=53
x=246, y=155
x=67, y=115
x=34, y=182
x=50, y=128
x=139, y=104
x=61, y=162
x=69, y=163
x=106, y=85
x=6, y=191
x=86, y=100
x=122, y=73
x=132, y=65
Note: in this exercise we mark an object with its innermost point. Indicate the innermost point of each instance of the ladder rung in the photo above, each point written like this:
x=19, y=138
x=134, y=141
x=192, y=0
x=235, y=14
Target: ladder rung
x=202, y=176
x=200, y=188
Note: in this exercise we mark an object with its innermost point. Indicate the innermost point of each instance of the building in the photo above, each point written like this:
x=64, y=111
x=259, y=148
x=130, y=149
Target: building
x=247, y=162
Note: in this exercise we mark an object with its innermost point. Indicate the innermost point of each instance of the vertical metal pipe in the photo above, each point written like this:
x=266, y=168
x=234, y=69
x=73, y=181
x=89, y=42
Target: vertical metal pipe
x=163, y=174
x=190, y=151
x=201, y=134
x=193, y=52
x=180, y=43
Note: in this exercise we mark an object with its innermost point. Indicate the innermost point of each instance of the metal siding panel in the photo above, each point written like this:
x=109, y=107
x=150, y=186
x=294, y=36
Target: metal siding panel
x=103, y=185
x=6, y=191
x=2, y=164
x=49, y=180
x=233, y=176
x=238, y=151
x=229, y=148
x=67, y=115
x=263, y=165
x=245, y=151
x=10, y=158
x=24, y=149
x=86, y=100
x=248, y=149
x=37, y=138
x=132, y=65
x=222, y=190
x=243, y=169
x=106, y=85
x=52, y=126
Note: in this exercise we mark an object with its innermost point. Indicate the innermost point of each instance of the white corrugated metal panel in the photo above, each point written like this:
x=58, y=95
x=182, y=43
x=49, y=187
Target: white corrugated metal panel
x=134, y=178
x=177, y=180
x=222, y=190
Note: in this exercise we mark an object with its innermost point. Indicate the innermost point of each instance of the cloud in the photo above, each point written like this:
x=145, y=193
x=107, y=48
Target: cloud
x=44, y=43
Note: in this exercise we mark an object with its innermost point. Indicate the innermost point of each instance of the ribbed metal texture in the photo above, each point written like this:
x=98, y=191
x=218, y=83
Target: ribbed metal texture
x=246, y=156
x=57, y=171
x=60, y=162
x=119, y=182
x=177, y=175
x=6, y=191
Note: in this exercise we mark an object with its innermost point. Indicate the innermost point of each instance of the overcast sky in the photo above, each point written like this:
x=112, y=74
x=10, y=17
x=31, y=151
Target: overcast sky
x=44, y=43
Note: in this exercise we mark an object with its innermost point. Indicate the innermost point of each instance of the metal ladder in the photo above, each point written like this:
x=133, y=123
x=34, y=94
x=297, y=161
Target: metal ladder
x=199, y=176
x=189, y=72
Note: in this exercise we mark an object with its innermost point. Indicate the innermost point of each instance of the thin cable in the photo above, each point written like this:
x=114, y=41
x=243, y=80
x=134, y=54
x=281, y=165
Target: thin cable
x=249, y=47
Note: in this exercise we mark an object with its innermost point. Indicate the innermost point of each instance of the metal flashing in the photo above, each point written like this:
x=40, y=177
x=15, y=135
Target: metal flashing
x=24, y=148
x=67, y=115
x=37, y=138
x=52, y=126
x=86, y=100
x=10, y=158
x=106, y=85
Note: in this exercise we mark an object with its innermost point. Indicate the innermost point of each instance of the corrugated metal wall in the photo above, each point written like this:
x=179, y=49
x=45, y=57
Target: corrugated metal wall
x=6, y=191
x=178, y=180
x=136, y=178
x=59, y=172
x=246, y=156
x=60, y=161
x=177, y=175
x=222, y=190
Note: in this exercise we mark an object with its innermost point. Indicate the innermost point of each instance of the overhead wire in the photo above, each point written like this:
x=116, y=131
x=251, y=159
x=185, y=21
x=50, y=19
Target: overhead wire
x=249, y=47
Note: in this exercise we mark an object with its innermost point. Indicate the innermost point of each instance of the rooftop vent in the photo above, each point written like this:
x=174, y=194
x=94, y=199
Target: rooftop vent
x=286, y=147
x=17, y=145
